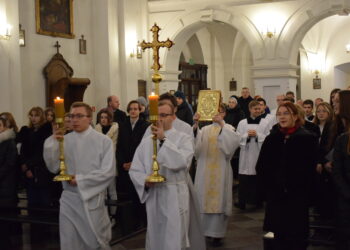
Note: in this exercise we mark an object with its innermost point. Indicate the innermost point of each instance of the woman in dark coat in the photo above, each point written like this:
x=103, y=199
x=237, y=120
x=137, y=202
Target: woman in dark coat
x=183, y=111
x=8, y=180
x=325, y=190
x=341, y=175
x=234, y=113
x=8, y=159
x=37, y=178
x=130, y=135
x=285, y=168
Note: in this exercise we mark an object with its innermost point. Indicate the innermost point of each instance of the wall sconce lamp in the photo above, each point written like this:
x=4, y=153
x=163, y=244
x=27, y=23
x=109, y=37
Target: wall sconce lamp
x=21, y=37
x=138, y=51
x=5, y=32
x=317, y=72
x=268, y=33
x=347, y=47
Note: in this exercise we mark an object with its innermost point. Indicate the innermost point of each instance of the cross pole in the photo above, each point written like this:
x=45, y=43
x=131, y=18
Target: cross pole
x=155, y=45
x=57, y=45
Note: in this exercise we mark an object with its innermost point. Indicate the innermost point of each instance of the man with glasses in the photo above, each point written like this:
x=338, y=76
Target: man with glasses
x=173, y=222
x=89, y=157
x=178, y=124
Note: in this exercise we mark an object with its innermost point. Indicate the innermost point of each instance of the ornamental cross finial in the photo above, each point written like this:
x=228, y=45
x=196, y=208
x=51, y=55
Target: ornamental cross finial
x=57, y=45
x=155, y=45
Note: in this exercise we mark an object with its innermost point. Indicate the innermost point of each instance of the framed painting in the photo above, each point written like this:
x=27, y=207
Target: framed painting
x=54, y=18
x=316, y=82
x=208, y=104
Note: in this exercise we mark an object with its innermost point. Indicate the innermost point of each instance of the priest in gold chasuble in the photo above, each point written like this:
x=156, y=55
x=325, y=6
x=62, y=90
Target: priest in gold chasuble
x=214, y=147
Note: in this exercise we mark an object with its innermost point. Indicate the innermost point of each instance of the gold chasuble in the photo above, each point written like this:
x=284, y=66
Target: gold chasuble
x=213, y=174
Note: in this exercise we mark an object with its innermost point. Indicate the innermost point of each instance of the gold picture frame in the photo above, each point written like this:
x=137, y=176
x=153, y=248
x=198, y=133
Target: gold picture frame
x=54, y=18
x=208, y=104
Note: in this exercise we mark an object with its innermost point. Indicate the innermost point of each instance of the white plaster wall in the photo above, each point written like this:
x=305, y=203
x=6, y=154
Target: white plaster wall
x=10, y=67
x=131, y=31
x=219, y=69
x=341, y=78
x=39, y=50
x=328, y=39
x=107, y=63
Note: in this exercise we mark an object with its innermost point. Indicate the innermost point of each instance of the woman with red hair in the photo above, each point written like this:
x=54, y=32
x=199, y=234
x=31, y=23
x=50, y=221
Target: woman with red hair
x=285, y=169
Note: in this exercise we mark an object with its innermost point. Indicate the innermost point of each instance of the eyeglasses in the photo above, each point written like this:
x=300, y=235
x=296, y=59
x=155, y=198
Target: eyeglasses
x=78, y=116
x=163, y=115
x=283, y=114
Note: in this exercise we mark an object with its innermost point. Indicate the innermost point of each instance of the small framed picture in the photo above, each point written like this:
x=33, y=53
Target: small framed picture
x=316, y=83
x=233, y=85
x=82, y=45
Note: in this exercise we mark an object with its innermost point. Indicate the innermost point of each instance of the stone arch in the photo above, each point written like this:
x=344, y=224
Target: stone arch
x=182, y=28
x=302, y=21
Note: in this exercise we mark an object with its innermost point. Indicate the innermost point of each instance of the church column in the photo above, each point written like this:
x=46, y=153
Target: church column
x=106, y=55
x=271, y=80
x=170, y=81
x=132, y=19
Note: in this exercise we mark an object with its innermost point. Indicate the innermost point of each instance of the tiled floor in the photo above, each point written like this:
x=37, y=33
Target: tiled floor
x=244, y=233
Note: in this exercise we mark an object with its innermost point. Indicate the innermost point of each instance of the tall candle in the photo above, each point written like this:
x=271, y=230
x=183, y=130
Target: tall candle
x=153, y=106
x=59, y=107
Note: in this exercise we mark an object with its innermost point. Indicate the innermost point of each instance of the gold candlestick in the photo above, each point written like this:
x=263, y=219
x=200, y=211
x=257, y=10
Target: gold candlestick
x=155, y=177
x=59, y=112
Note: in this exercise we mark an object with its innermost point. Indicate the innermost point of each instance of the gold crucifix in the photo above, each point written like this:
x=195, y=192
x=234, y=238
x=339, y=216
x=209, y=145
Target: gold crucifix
x=156, y=45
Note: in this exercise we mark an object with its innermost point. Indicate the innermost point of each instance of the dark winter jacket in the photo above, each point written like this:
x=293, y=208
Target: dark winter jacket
x=128, y=141
x=285, y=170
x=8, y=169
x=184, y=113
x=119, y=116
x=31, y=154
x=341, y=179
x=234, y=116
x=244, y=104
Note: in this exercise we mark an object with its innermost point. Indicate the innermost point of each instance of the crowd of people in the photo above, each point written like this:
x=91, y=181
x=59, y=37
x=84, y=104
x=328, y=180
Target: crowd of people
x=287, y=159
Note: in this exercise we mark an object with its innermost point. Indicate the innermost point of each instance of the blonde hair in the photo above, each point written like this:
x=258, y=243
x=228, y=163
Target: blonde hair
x=329, y=110
x=40, y=112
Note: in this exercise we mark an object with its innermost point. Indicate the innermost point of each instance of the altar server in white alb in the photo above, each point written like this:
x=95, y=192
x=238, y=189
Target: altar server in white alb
x=173, y=221
x=215, y=145
x=84, y=222
x=253, y=131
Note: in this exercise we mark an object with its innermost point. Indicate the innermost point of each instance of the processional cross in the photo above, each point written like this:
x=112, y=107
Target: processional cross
x=155, y=45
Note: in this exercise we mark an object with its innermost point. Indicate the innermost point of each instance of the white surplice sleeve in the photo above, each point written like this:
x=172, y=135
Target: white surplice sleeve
x=243, y=132
x=228, y=141
x=176, y=157
x=265, y=131
x=51, y=154
x=138, y=172
x=98, y=180
x=198, y=142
